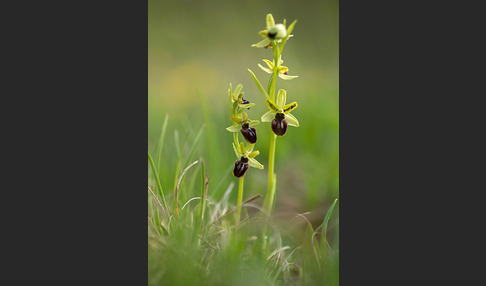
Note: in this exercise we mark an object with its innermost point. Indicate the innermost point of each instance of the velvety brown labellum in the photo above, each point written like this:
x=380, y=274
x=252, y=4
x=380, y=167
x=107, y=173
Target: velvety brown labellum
x=240, y=167
x=279, y=124
x=249, y=133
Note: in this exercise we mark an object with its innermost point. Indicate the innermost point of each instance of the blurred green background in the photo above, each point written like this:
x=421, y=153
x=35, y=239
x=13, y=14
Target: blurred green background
x=196, y=48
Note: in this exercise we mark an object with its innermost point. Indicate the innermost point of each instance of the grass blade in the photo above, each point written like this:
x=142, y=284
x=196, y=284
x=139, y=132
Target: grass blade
x=324, y=229
x=193, y=149
x=176, y=191
x=158, y=181
x=160, y=143
x=204, y=193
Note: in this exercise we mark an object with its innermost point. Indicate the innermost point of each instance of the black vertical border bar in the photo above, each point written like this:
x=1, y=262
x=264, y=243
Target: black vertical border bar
x=411, y=139
x=374, y=190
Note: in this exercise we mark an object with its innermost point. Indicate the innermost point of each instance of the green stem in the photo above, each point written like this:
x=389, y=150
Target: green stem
x=240, y=200
x=272, y=177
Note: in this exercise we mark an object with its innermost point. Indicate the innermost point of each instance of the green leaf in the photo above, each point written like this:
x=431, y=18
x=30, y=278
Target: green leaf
x=291, y=27
x=260, y=87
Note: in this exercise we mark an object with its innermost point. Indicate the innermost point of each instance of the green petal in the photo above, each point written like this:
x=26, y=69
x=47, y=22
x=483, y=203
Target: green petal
x=287, y=77
x=246, y=105
x=237, y=152
x=234, y=128
x=265, y=69
x=268, y=117
x=269, y=64
x=236, y=120
x=270, y=21
x=289, y=107
x=262, y=43
x=253, y=123
x=255, y=164
x=249, y=147
x=242, y=148
x=264, y=33
x=253, y=154
x=291, y=120
x=281, y=97
x=282, y=69
x=272, y=106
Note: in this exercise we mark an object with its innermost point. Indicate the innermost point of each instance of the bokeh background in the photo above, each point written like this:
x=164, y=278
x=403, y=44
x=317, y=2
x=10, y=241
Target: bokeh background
x=196, y=48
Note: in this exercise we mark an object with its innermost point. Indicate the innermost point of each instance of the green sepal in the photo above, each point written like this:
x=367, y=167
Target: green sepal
x=253, y=123
x=268, y=116
x=270, y=21
x=263, y=43
x=265, y=69
x=287, y=77
x=237, y=91
x=255, y=164
x=291, y=120
x=234, y=128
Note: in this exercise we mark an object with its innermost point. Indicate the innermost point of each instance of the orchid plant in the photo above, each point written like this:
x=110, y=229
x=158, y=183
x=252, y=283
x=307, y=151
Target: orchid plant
x=274, y=36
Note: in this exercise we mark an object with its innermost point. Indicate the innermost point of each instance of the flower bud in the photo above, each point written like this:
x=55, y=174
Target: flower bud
x=240, y=167
x=249, y=133
x=279, y=124
x=277, y=32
